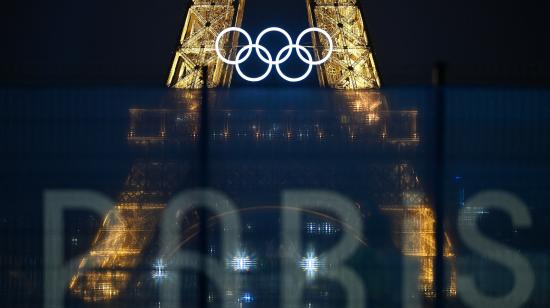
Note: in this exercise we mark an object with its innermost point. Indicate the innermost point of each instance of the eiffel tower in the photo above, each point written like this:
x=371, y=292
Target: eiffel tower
x=351, y=66
x=128, y=229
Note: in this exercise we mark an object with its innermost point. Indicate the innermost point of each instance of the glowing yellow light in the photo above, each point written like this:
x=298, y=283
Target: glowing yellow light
x=414, y=226
x=196, y=44
x=351, y=65
x=372, y=117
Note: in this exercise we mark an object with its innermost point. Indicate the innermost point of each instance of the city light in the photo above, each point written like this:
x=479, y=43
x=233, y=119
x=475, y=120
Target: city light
x=242, y=262
x=247, y=298
x=325, y=228
x=159, y=272
x=310, y=264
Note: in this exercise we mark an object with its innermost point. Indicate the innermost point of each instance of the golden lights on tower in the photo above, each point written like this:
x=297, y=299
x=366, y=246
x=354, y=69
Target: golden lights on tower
x=350, y=67
x=117, y=249
x=204, y=21
x=414, y=234
x=123, y=235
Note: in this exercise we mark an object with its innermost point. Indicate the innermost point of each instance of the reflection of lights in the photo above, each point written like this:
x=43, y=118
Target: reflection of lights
x=320, y=228
x=358, y=106
x=226, y=130
x=247, y=298
x=372, y=117
x=328, y=228
x=365, y=104
x=159, y=271
x=471, y=214
x=107, y=290
x=417, y=230
x=242, y=262
x=310, y=227
x=310, y=264
x=211, y=250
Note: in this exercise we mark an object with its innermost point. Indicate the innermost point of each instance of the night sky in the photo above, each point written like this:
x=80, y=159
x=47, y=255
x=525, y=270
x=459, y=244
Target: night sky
x=106, y=42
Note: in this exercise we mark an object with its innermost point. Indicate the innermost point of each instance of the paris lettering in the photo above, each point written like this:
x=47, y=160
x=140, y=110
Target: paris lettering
x=294, y=278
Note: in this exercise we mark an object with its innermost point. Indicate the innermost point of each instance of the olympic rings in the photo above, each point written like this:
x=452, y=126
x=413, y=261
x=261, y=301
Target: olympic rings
x=265, y=56
x=329, y=39
x=287, y=36
x=258, y=47
x=217, y=45
x=310, y=66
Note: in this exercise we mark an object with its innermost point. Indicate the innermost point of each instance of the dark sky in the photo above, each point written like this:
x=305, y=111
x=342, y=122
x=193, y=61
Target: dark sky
x=131, y=42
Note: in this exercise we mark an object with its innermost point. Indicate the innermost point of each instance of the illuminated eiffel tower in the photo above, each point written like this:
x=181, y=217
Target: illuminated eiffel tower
x=205, y=19
x=350, y=67
x=127, y=230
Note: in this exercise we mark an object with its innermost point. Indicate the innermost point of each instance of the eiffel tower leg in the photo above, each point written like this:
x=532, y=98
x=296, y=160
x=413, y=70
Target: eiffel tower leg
x=126, y=231
x=205, y=19
x=351, y=66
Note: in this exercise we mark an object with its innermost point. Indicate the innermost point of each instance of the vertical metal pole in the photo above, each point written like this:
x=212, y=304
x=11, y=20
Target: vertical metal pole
x=439, y=184
x=203, y=181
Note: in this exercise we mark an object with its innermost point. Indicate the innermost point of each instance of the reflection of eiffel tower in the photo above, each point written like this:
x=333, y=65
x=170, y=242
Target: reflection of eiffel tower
x=363, y=118
x=129, y=227
x=351, y=65
x=126, y=231
x=414, y=232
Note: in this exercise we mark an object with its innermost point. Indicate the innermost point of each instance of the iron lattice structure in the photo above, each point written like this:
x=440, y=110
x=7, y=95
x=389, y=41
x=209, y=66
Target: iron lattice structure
x=351, y=66
x=125, y=232
x=128, y=229
x=121, y=243
x=414, y=231
x=195, y=50
x=124, y=237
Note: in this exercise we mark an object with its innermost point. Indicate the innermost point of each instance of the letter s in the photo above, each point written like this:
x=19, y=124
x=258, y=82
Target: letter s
x=470, y=234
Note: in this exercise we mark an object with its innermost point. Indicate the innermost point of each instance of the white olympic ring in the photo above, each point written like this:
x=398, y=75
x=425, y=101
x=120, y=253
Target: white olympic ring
x=268, y=58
